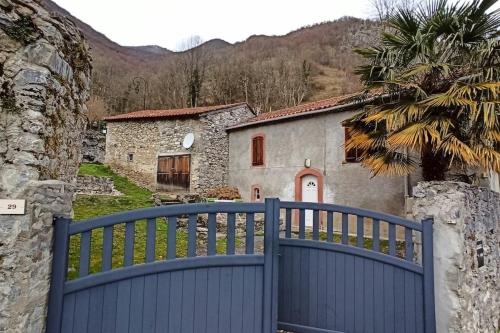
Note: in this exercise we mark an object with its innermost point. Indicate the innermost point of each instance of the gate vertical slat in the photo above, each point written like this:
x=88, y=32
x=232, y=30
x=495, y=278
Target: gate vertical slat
x=58, y=277
x=85, y=253
x=350, y=307
x=230, y=242
x=329, y=226
x=249, y=285
x=376, y=235
x=150, y=240
x=109, y=308
x=211, y=238
x=225, y=300
x=192, y=222
x=316, y=224
x=95, y=309
x=150, y=297
x=428, y=265
x=302, y=223
x=107, y=249
x=129, y=244
x=399, y=300
x=123, y=306
x=81, y=315
x=345, y=228
x=271, y=248
x=392, y=239
x=171, y=241
x=388, y=299
x=360, y=232
x=378, y=295
x=359, y=294
x=68, y=315
x=410, y=310
x=249, y=235
x=408, y=244
x=288, y=223
x=201, y=304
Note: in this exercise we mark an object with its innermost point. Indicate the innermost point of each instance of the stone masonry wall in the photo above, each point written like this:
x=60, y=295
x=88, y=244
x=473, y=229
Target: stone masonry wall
x=93, y=185
x=214, y=165
x=467, y=296
x=44, y=82
x=147, y=140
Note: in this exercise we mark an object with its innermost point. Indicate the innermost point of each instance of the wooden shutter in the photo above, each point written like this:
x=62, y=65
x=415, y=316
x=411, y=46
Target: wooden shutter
x=258, y=151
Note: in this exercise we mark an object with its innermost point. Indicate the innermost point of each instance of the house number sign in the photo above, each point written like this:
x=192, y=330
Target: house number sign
x=12, y=207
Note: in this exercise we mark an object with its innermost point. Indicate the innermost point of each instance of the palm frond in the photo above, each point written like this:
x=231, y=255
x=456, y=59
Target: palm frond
x=389, y=163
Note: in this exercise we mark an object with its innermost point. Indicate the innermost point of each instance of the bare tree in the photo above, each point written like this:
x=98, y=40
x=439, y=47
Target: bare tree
x=385, y=8
x=194, y=60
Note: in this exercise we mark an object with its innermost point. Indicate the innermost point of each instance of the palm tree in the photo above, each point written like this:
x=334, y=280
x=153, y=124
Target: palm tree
x=440, y=65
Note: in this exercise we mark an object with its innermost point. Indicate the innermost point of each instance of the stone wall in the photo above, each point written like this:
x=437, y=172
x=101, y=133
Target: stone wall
x=467, y=296
x=94, y=146
x=44, y=82
x=93, y=185
x=148, y=139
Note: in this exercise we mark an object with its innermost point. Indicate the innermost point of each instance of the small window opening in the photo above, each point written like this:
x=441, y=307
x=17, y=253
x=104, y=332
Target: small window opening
x=256, y=196
x=130, y=157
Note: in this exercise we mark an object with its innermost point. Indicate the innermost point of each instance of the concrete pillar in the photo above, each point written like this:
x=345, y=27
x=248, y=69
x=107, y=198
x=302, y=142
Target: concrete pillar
x=44, y=83
x=466, y=228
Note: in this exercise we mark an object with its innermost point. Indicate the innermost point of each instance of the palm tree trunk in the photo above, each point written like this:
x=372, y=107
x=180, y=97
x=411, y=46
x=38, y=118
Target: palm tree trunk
x=434, y=166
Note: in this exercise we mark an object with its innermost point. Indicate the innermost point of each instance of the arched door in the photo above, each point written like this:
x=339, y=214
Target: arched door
x=309, y=194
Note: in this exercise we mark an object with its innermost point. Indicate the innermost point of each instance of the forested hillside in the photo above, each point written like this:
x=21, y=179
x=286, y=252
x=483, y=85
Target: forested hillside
x=269, y=72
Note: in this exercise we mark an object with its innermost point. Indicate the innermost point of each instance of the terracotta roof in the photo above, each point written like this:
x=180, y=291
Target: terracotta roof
x=313, y=107
x=154, y=114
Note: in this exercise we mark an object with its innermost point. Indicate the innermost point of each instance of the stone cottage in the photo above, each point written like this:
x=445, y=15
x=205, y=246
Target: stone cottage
x=151, y=145
x=297, y=154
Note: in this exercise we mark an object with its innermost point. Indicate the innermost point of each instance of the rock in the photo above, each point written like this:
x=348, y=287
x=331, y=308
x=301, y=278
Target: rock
x=41, y=131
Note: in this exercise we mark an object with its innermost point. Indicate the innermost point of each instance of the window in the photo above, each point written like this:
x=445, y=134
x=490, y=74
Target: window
x=258, y=150
x=351, y=155
x=130, y=157
x=256, y=196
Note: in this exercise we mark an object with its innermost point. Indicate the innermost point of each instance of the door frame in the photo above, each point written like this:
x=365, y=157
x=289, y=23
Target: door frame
x=309, y=172
x=159, y=155
x=298, y=189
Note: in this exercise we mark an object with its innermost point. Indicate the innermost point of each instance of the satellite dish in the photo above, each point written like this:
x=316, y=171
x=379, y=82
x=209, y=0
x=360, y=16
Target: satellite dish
x=188, y=140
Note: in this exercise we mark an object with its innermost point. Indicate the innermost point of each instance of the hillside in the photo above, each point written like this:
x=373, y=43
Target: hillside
x=269, y=72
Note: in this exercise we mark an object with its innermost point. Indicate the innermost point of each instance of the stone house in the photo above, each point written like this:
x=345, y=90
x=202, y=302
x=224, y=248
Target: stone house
x=149, y=144
x=297, y=154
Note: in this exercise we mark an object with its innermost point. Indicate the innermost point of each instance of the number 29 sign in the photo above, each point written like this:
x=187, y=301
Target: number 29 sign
x=12, y=207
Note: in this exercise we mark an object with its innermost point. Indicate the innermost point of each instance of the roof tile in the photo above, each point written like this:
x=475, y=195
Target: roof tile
x=155, y=114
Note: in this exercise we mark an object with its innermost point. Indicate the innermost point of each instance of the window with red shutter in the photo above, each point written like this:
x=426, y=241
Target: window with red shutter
x=258, y=151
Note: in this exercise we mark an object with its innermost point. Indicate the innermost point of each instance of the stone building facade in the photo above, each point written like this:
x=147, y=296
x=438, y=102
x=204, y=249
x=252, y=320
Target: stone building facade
x=136, y=143
x=44, y=82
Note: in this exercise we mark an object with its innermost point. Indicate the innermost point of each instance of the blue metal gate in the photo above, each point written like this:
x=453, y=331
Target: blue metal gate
x=344, y=282
x=300, y=284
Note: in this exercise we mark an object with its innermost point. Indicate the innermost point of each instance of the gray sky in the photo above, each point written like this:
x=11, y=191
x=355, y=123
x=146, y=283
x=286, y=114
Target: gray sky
x=168, y=22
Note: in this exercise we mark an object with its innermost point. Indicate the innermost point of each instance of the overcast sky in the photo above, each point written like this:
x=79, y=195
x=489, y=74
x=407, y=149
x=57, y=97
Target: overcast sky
x=168, y=22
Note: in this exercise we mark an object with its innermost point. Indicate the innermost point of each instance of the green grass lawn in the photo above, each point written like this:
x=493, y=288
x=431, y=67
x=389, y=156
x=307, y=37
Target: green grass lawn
x=87, y=206
x=134, y=197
